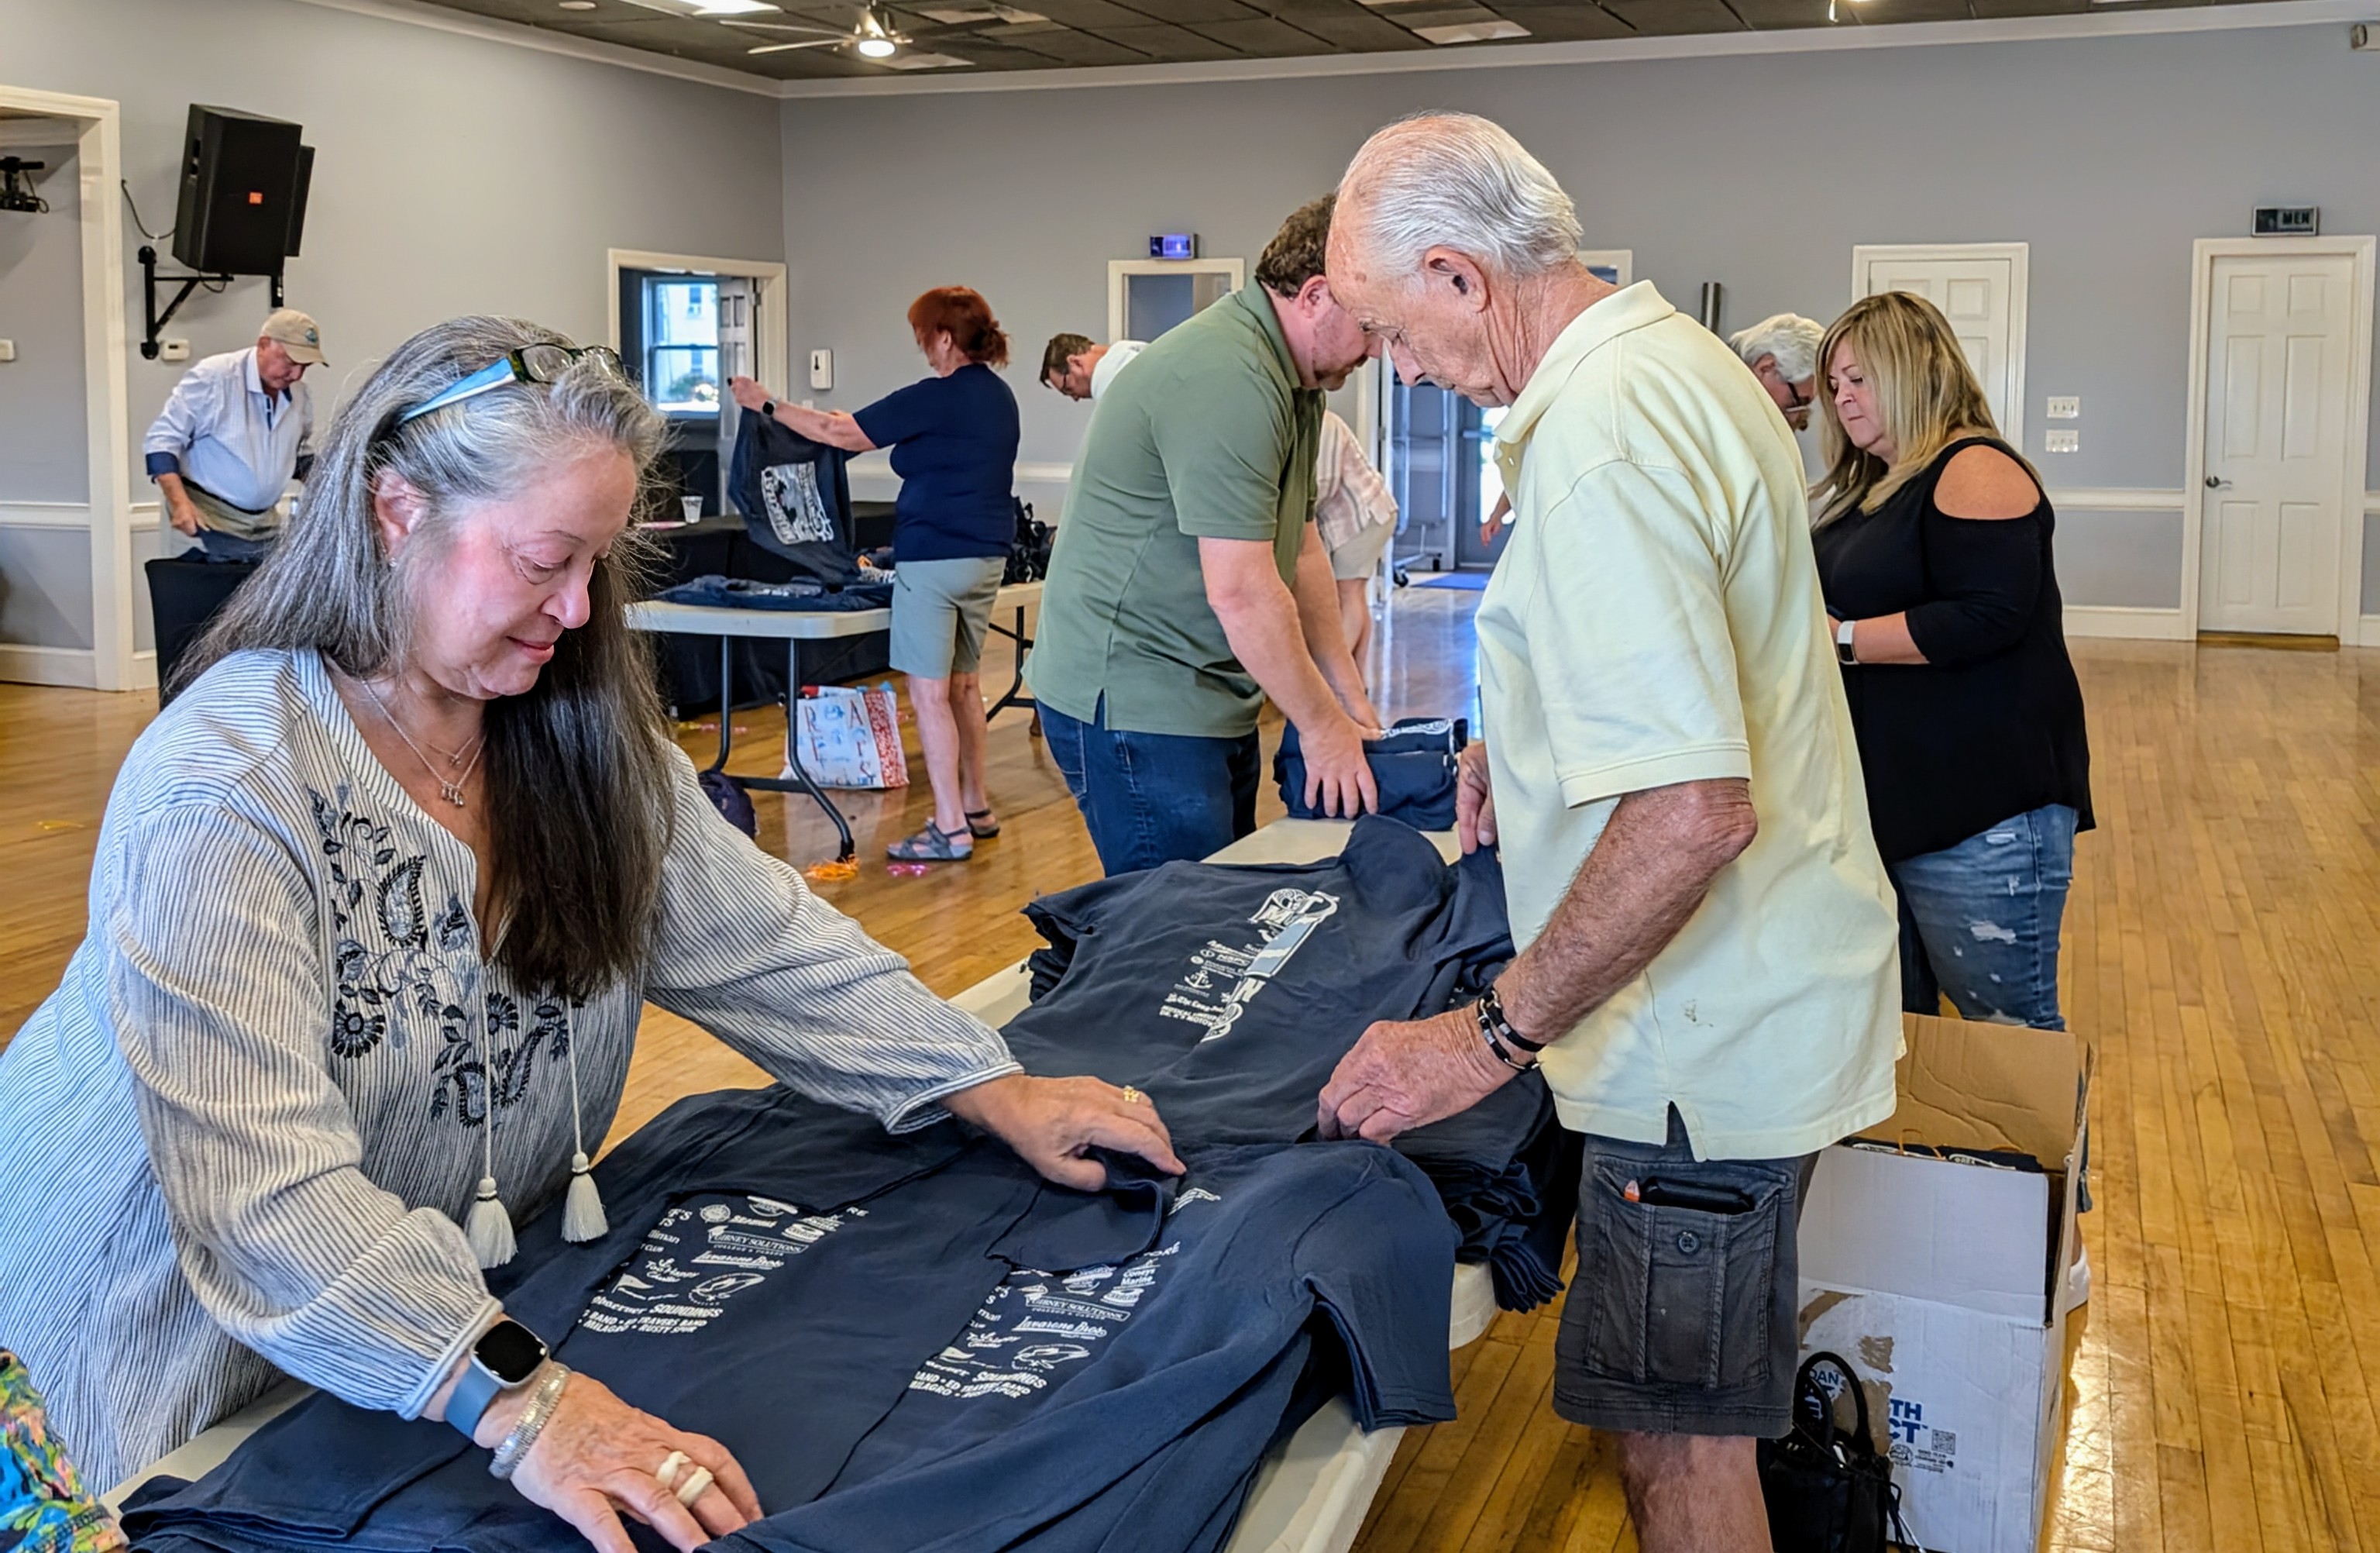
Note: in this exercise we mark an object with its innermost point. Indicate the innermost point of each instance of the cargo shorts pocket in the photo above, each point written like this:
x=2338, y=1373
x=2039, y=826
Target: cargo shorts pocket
x=1678, y=1295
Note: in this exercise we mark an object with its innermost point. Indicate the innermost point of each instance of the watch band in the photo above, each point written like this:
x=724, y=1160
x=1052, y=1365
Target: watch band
x=479, y=1386
x=1846, y=649
x=769, y=408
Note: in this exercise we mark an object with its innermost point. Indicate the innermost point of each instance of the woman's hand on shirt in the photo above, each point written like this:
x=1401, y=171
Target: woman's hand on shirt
x=596, y=1462
x=1053, y=1124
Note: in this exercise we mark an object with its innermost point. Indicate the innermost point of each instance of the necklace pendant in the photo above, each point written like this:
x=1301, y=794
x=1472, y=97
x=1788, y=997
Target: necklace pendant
x=451, y=793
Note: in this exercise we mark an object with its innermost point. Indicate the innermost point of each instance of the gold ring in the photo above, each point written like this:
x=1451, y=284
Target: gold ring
x=1133, y=1097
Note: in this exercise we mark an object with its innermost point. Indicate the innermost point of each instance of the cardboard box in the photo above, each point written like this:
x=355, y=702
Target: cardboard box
x=1942, y=1283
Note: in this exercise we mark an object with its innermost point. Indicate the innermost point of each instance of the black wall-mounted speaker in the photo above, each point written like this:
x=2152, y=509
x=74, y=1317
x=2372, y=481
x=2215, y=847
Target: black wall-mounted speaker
x=243, y=193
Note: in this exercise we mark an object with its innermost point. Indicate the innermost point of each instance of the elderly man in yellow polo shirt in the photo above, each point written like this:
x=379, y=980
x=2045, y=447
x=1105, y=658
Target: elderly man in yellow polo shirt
x=1708, y=973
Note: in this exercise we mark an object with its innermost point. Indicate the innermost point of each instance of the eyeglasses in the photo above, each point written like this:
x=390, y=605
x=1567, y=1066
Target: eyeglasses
x=531, y=363
x=1799, y=400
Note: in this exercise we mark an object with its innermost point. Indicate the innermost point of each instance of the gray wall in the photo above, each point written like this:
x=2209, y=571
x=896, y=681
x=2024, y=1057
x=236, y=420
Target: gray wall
x=44, y=455
x=2107, y=155
x=452, y=175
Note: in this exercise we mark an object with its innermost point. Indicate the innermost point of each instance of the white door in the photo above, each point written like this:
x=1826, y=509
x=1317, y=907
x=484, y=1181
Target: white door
x=2278, y=370
x=1980, y=288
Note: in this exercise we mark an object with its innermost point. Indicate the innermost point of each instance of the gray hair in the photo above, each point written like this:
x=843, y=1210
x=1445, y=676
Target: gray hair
x=1789, y=337
x=1458, y=181
x=576, y=767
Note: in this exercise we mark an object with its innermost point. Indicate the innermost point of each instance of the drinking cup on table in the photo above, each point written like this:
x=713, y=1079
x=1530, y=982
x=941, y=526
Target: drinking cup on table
x=693, y=506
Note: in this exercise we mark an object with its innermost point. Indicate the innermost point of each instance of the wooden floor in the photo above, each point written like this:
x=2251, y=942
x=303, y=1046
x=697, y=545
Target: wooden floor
x=2223, y=947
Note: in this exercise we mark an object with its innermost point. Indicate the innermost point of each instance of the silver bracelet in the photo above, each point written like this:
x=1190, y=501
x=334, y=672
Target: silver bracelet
x=514, y=1447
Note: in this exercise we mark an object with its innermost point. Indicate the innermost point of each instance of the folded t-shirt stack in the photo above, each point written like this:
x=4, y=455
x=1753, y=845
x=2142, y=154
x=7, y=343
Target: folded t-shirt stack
x=744, y=592
x=1412, y=766
x=909, y=1343
x=1230, y=992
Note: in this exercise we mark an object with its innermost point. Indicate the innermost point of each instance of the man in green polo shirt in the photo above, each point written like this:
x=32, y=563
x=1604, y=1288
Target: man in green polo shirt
x=1188, y=582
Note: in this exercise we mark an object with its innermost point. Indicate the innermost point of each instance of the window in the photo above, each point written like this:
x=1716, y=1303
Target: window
x=682, y=344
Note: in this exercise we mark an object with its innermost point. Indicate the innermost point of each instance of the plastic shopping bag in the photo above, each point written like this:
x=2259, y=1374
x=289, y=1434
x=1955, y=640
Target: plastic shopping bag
x=848, y=736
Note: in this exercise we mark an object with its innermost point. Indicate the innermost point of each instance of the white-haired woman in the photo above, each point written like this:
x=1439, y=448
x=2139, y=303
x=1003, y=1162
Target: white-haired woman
x=1783, y=351
x=1934, y=553
x=375, y=907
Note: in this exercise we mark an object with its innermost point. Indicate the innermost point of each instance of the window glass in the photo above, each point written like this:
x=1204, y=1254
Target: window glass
x=682, y=344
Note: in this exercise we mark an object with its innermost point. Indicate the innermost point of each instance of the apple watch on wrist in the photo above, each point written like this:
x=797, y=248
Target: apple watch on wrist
x=504, y=1359
x=1843, y=650
x=769, y=408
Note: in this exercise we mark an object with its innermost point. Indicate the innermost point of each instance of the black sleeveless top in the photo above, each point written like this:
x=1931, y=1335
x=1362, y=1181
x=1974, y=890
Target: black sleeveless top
x=1990, y=725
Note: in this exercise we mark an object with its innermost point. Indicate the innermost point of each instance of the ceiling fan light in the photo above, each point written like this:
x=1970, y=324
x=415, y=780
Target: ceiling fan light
x=876, y=48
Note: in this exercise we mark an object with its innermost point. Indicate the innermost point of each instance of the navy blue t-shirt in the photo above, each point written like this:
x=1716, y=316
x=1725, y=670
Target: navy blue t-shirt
x=953, y=442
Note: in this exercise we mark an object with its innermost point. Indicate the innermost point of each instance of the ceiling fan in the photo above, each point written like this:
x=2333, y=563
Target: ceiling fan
x=873, y=37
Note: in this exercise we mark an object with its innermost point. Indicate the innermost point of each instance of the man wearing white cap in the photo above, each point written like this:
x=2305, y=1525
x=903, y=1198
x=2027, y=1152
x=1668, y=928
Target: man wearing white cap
x=235, y=432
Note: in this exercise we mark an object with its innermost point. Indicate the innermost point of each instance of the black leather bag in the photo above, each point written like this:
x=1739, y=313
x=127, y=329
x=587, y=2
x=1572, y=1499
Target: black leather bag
x=1828, y=1489
x=1028, y=551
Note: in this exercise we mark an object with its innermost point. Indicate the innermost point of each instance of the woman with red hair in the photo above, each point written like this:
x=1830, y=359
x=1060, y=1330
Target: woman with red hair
x=954, y=439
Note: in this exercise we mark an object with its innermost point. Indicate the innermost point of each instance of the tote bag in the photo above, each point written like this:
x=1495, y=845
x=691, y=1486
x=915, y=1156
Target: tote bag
x=848, y=736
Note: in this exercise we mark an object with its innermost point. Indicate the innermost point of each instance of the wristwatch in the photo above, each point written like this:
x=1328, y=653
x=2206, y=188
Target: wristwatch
x=504, y=1359
x=769, y=408
x=1843, y=643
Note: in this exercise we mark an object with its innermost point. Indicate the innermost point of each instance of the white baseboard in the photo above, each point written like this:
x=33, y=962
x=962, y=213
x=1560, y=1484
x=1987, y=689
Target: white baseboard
x=2367, y=632
x=2126, y=620
x=71, y=667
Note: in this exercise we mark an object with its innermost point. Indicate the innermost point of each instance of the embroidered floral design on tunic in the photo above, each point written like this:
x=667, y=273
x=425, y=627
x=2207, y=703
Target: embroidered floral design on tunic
x=401, y=967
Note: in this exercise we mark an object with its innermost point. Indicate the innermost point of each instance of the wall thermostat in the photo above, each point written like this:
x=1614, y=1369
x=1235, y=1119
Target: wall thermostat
x=821, y=369
x=2287, y=221
x=1173, y=245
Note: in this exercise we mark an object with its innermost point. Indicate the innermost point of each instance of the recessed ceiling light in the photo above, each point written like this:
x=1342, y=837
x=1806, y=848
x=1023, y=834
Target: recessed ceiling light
x=577, y=5
x=1472, y=31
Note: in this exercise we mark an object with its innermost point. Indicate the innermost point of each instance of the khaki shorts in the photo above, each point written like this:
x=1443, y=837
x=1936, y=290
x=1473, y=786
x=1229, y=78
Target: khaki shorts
x=1682, y=1319
x=1361, y=555
x=940, y=613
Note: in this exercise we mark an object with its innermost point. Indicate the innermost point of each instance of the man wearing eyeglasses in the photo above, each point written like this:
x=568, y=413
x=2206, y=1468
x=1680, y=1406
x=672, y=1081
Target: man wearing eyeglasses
x=1782, y=352
x=235, y=432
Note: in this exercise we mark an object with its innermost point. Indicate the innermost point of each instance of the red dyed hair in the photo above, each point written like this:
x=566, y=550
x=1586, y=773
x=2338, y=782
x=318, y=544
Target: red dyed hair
x=961, y=312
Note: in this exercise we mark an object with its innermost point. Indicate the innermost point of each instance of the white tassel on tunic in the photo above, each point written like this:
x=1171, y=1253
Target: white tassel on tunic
x=490, y=1226
x=582, y=1205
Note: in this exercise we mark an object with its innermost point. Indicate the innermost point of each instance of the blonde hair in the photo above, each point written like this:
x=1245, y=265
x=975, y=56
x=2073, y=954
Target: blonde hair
x=1926, y=396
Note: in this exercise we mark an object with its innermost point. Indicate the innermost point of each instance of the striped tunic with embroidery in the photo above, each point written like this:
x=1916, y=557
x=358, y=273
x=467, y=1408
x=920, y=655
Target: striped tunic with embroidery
x=239, y=1139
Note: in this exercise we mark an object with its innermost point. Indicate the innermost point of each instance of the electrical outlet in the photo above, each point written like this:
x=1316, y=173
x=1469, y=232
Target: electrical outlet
x=173, y=351
x=2066, y=410
x=2061, y=442
x=7, y=350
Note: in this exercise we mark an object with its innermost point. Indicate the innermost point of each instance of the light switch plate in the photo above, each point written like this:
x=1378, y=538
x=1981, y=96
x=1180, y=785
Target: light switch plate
x=821, y=369
x=2061, y=442
x=2067, y=409
x=173, y=351
x=7, y=350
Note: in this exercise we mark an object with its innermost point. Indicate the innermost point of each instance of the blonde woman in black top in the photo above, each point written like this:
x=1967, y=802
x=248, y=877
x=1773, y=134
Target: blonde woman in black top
x=1934, y=551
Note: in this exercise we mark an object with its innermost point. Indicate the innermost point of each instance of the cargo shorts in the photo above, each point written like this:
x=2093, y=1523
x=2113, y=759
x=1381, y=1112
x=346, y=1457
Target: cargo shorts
x=1683, y=1318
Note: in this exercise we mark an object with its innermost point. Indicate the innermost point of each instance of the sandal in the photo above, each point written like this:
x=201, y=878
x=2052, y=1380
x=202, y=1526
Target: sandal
x=983, y=831
x=932, y=844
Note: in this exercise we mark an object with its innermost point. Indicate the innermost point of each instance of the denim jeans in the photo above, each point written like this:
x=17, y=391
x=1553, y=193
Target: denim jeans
x=1154, y=798
x=1979, y=922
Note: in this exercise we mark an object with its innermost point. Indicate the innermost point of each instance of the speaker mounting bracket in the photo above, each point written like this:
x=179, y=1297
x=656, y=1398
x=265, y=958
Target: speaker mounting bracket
x=189, y=283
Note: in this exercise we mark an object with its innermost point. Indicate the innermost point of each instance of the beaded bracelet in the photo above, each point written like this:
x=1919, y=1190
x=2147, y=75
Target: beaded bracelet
x=514, y=1447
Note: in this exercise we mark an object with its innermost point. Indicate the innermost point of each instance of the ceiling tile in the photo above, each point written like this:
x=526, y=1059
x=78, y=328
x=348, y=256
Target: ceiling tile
x=1359, y=31
x=1672, y=17
x=1184, y=13
x=1090, y=13
x=1084, y=48
x=1565, y=21
x=1160, y=41
x=1263, y=36
x=2032, y=8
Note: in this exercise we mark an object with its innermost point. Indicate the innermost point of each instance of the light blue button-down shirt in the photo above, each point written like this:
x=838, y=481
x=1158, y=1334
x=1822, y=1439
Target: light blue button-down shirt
x=221, y=431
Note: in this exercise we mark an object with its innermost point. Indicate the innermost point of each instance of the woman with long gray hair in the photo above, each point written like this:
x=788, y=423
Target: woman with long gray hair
x=376, y=904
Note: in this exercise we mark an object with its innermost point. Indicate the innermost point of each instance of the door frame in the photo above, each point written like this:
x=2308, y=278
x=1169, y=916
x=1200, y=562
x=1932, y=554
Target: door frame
x=1234, y=271
x=2354, y=454
x=772, y=348
x=112, y=663
x=2020, y=257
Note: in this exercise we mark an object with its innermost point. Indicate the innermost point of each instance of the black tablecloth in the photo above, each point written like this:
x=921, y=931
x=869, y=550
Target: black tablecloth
x=689, y=664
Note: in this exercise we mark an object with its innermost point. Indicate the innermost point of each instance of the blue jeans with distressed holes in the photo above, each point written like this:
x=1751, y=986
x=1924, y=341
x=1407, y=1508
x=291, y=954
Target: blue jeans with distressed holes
x=1979, y=922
